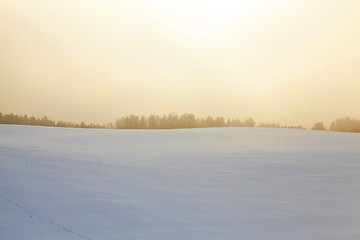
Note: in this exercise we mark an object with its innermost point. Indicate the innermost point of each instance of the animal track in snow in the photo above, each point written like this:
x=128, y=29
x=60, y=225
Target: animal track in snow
x=33, y=214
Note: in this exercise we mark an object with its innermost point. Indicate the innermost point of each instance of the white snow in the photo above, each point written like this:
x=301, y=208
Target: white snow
x=220, y=183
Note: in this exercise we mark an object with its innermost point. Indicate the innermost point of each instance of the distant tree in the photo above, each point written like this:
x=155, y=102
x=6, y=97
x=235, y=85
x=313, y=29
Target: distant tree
x=118, y=124
x=190, y=121
x=209, y=122
x=143, y=122
x=269, y=125
x=46, y=122
x=152, y=122
x=346, y=125
x=173, y=120
x=133, y=122
x=164, y=122
x=32, y=120
x=237, y=123
x=25, y=120
x=249, y=122
x=319, y=126
x=219, y=122
x=60, y=124
x=228, y=123
x=293, y=127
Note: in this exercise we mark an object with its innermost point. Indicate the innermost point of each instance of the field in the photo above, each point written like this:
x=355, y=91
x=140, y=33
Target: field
x=186, y=184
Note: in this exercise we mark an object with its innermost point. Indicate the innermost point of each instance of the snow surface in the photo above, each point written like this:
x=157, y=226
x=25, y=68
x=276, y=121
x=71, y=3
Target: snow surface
x=220, y=183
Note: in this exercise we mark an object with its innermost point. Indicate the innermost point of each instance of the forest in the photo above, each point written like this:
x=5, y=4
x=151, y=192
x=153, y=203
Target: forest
x=174, y=121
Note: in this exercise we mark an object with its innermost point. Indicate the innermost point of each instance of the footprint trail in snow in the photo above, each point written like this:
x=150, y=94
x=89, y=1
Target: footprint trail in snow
x=33, y=214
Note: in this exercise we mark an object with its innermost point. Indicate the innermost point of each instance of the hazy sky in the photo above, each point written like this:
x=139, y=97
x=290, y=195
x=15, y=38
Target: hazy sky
x=292, y=62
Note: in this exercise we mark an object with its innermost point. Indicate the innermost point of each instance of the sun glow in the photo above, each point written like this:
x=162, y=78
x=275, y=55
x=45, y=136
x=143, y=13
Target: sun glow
x=230, y=58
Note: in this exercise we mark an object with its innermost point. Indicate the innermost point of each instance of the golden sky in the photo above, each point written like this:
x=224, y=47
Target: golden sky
x=292, y=62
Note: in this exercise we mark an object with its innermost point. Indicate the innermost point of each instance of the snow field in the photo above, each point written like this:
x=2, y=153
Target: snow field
x=220, y=183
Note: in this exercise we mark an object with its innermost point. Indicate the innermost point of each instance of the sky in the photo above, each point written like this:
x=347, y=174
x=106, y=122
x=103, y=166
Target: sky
x=292, y=62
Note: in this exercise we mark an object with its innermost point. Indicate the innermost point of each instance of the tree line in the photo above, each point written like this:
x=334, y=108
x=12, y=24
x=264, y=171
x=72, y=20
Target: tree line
x=345, y=124
x=44, y=121
x=170, y=121
x=174, y=121
x=277, y=125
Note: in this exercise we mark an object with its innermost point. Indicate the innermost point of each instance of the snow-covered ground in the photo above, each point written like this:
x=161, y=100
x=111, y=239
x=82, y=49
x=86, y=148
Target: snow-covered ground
x=220, y=183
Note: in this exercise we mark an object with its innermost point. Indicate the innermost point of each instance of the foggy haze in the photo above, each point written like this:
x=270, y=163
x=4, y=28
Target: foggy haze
x=293, y=62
